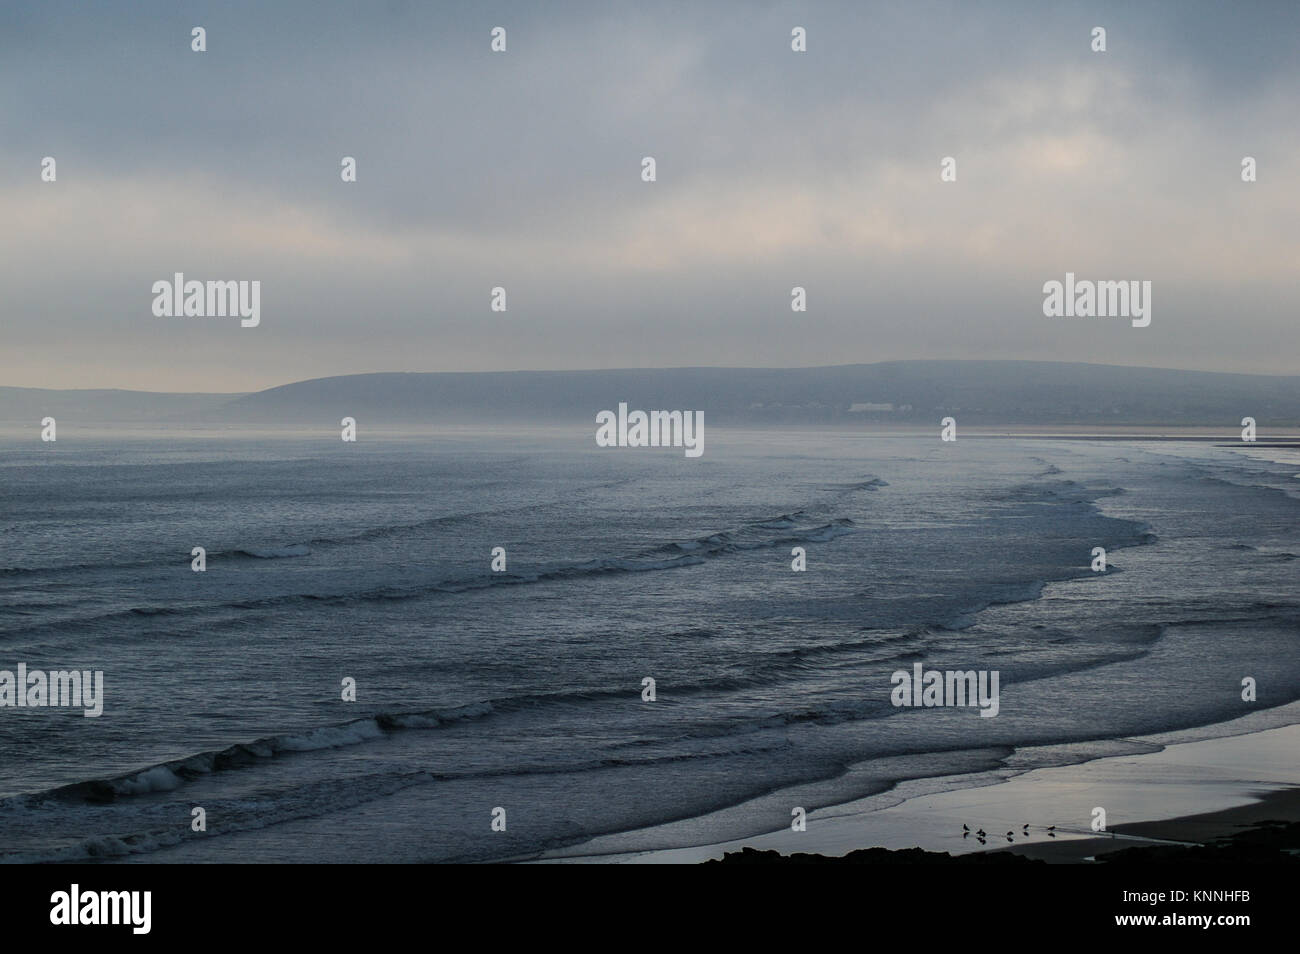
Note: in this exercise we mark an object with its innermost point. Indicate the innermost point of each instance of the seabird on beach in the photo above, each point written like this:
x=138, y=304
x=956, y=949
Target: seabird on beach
x=964, y=828
x=1051, y=828
x=980, y=832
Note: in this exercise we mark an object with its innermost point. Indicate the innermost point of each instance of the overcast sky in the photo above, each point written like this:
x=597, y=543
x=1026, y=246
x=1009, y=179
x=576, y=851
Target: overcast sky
x=523, y=169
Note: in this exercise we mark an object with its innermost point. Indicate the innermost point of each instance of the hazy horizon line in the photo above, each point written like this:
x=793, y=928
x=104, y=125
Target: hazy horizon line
x=693, y=367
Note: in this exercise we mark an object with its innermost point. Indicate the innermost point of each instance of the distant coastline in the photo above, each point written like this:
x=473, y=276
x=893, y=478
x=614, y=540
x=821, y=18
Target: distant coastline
x=889, y=396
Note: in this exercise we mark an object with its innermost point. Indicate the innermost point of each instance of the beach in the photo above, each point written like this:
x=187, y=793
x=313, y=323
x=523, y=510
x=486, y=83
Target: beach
x=1188, y=792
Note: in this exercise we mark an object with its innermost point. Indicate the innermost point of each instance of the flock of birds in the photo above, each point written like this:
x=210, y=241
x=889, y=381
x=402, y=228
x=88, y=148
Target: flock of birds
x=981, y=836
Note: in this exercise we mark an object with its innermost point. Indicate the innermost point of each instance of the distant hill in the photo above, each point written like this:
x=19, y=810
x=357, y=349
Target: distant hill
x=979, y=392
x=903, y=392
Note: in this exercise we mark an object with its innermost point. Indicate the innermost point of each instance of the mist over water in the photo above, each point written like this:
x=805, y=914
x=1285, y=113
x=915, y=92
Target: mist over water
x=522, y=689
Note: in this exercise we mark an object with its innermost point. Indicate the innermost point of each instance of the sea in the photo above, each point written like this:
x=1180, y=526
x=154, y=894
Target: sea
x=350, y=680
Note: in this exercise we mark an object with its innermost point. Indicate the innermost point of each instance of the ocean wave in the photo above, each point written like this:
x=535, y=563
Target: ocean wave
x=869, y=482
x=323, y=797
x=790, y=663
x=669, y=556
x=1239, y=485
x=180, y=559
x=1062, y=491
x=169, y=776
x=67, y=568
x=271, y=553
x=756, y=536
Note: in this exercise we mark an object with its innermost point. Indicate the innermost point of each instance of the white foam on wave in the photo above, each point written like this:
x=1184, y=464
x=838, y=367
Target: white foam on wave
x=330, y=737
x=157, y=779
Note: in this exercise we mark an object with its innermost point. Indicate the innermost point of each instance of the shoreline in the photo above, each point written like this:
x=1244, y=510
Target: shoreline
x=1281, y=805
x=1201, y=784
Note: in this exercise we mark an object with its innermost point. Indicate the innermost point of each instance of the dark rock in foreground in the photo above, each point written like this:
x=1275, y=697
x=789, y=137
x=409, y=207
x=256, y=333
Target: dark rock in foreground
x=1269, y=842
x=872, y=856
